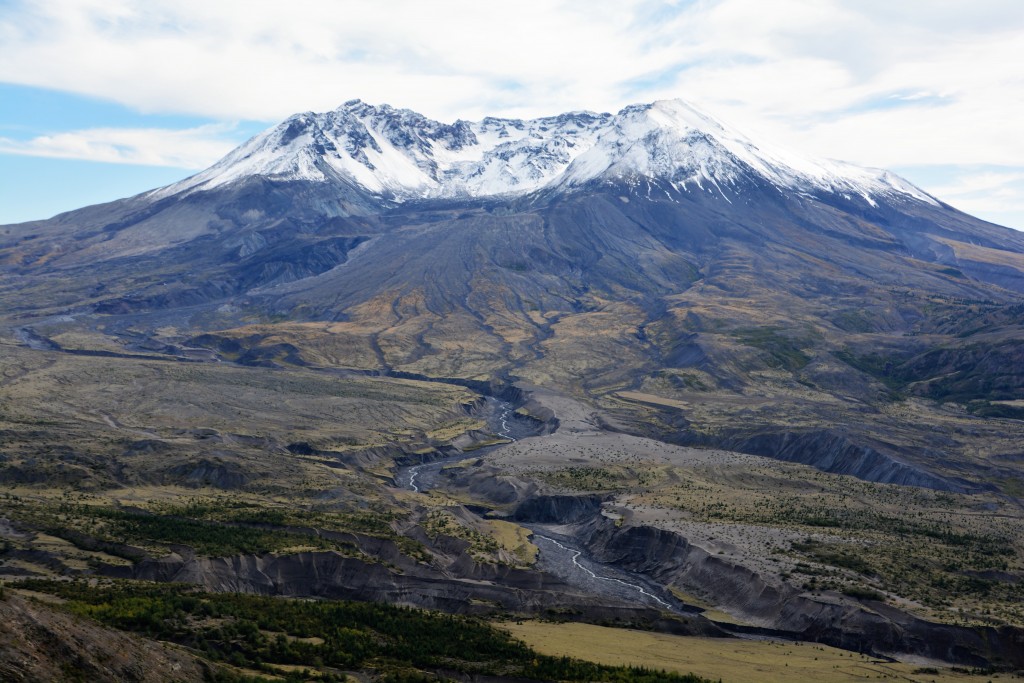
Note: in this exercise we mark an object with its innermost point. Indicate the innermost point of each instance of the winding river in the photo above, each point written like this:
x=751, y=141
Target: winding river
x=557, y=557
x=563, y=561
x=499, y=416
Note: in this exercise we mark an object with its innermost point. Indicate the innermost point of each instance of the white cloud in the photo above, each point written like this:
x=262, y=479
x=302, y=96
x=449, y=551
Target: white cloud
x=876, y=82
x=193, y=148
x=794, y=66
x=265, y=60
x=827, y=78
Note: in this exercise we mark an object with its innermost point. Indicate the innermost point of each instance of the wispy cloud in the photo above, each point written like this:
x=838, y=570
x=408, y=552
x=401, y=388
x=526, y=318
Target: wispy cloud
x=998, y=194
x=193, y=148
x=985, y=181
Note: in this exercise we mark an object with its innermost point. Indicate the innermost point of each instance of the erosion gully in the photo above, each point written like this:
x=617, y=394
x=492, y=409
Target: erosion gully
x=557, y=554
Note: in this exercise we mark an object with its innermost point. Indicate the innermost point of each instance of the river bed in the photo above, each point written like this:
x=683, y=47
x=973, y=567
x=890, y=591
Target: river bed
x=501, y=421
x=557, y=555
x=560, y=558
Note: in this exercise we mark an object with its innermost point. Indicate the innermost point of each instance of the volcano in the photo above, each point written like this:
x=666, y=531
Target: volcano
x=653, y=252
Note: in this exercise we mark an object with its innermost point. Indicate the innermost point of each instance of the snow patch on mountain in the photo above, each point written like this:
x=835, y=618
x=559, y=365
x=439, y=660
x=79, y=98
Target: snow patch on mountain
x=398, y=155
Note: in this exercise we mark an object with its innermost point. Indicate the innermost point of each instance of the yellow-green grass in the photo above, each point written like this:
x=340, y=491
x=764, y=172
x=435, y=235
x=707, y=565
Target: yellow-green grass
x=709, y=611
x=973, y=252
x=111, y=398
x=515, y=539
x=728, y=659
x=652, y=399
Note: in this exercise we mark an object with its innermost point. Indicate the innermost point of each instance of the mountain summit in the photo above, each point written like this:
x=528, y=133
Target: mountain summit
x=398, y=155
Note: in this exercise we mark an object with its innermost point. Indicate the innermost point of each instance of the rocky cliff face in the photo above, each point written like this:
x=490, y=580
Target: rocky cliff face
x=462, y=587
x=838, y=454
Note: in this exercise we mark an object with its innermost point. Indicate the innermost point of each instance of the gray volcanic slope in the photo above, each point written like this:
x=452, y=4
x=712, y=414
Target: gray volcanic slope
x=653, y=251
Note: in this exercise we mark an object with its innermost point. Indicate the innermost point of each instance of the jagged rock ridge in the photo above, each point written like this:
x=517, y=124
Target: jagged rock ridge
x=398, y=154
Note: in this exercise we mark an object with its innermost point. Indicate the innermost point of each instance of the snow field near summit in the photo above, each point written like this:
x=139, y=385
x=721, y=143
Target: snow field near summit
x=399, y=155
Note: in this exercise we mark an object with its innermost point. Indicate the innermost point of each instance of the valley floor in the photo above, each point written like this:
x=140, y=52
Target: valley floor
x=305, y=483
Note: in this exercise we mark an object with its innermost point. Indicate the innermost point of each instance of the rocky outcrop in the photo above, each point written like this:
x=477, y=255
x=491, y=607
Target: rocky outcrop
x=669, y=558
x=488, y=484
x=557, y=509
x=39, y=643
x=216, y=473
x=877, y=627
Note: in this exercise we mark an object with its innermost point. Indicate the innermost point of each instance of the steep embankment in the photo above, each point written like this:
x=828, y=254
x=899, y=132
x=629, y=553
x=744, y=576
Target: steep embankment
x=462, y=587
x=835, y=453
x=39, y=644
x=864, y=626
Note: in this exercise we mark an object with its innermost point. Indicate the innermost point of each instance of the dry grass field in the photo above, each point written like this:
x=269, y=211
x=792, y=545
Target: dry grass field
x=731, y=660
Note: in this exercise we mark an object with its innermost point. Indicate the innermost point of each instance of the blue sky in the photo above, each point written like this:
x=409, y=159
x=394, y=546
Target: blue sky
x=101, y=99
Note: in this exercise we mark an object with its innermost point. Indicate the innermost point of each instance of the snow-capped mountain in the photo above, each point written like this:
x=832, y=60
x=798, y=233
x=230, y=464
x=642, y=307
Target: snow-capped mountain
x=397, y=154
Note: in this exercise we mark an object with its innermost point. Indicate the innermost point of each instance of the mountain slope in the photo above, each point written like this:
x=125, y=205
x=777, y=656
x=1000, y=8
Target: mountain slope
x=41, y=643
x=653, y=250
x=608, y=278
